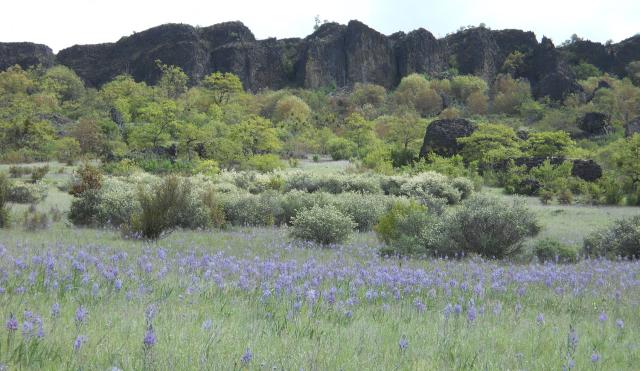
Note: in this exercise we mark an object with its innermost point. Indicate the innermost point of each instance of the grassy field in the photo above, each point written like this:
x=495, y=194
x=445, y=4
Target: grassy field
x=250, y=298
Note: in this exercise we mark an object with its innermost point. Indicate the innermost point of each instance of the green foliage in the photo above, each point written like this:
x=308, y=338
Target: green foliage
x=84, y=208
x=633, y=70
x=622, y=239
x=173, y=81
x=27, y=193
x=551, y=250
x=223, y=86
x=251, y=210
x=510, y=94
x=4, y=199
x=584, y=70
x=325, y=225
x=464, y=85
x=402, y=229
x=264, y=163
x=364, y=209
x=548, y=144
x=414, y=92
x=67, y=149
x=490, y=143
x=341, y=149
x=86, y=177
x=488, y=227
x=63, y=83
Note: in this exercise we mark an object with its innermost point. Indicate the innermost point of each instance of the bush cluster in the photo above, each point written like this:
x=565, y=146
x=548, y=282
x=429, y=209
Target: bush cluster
x=622, y=239
x=26, y=193
x=322, y=224
x=4, y=199
x=480, y=225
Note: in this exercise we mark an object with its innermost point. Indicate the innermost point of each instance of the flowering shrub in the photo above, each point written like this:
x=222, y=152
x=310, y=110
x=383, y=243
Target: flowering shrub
x=431, y=184
x=322, y=224
x=365, y=209
x=247, y=209
x=621, y=239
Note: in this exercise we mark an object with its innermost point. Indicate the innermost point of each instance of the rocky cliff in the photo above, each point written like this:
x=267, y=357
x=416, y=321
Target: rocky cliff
x=334, y=55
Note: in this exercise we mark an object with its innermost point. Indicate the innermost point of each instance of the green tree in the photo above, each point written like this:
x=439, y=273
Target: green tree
x=584, y=70
x=633, y=70
x=173, y=81
x=490, y=143
x=223, y=86
x=415, y=92
x=510, y=94
x=256, y=135
x=63, y=82
x=405, y=129
x=464, y=85
x=293, y=113
x=513, y=63
x=359, y=131
x=67, y=149
x=548, y=144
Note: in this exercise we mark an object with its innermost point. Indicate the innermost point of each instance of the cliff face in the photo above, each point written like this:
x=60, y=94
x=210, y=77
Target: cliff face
x=334, y=55
x=25, y=55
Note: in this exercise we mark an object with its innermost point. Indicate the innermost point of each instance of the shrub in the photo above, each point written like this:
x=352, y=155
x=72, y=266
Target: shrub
x=165, y=206
x=27, y=193
x=322, y=224
x=84, y=208
x=4, y=199
x=404, y=229
x=294, y=201
x=554, y=251
x=264, y=163
x=620, y=239
x=39, y=173
x=214, y=208
x=252, y=210
x=35, y=220
x=118, y=202
x=86, y=177
x=488, y=226
x=364, y=209
x=431, y=184
x=341, y=149
x=565, y=197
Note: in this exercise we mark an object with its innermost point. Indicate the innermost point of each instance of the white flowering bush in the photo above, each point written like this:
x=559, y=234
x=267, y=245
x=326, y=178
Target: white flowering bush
x=365, y=209
x=27, y=193
x=322, y=224
x=431, y=184
x=118, y=201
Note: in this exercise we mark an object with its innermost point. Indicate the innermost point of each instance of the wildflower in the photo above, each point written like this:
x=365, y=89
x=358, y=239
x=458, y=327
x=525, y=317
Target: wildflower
x=149, y=338
x=117, y=284
x=603, y=317
x=247, y=356
x=403, y=343
x=55, y=310
x=595, y=357
x=12, y=323
x=472, y=314
x=206, y=325
x=540, y=319
x=77, y=344
x=81, y=314
x=419, y=306
x=620, y=324
x=572, y=340
x=27, y=329
x=457, y=309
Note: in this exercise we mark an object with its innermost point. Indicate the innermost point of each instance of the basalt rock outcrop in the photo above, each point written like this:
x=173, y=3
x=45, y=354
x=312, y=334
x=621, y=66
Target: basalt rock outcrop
x=441, y=136
x=334, y=55
x=25, y=55
x=595, y=123
x=587, y=170
x=632, y=127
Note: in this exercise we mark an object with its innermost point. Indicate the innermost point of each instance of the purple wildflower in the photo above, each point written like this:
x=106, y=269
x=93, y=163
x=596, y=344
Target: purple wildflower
x=55, y=310
x=403, y=343
x=457, y=309
x=12, y=323
x=602, y=317
x=81, y=314
x=77, y=344
x=620, y=324
x=540, y=319
x=206, y=325
x=247, y=356
x=472, y=314
x=595, y=357
x=149, y=338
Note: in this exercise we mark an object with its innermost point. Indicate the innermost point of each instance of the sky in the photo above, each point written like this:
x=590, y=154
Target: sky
x=63, y=23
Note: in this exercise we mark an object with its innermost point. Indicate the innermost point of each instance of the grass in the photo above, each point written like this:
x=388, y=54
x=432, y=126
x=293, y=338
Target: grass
x=297, y=306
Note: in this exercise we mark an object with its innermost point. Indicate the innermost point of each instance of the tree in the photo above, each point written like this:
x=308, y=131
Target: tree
x=584, y=70
x=513, y=63
x=15, y=81
x=464, y=85
x=490, y=143
x=173, y=81
x=159, y=123
x=359, y=131
x=292, y=112
x=405, y=129
x=368, y=94
x=477, y=103
x=67, y=149
x=223, y=86
x=256, y=136
x=188, y=137
x=89, y=136
x=633, y=69
x=548, y=144
x=510, y=94
x=414, y=92
x=63, y=82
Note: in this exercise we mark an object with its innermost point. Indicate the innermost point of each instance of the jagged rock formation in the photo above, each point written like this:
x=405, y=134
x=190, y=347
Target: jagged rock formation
x=632, y=127
x=595, y=123
x=441, y=136
x=25, y=55
x=333, y=56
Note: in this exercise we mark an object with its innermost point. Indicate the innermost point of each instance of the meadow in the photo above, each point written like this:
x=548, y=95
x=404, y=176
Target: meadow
x=253, y=298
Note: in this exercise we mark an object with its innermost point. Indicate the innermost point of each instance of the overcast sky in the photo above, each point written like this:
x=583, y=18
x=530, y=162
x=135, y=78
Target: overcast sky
x=62, y=23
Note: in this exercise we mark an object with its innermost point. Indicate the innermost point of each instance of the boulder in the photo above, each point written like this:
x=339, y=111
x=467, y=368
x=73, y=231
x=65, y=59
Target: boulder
x=632, y=127
x=441, y=136
x=587, y=170
x=595, y=123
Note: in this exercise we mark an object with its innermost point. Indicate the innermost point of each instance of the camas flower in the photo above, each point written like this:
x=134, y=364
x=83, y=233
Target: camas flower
x=247, y=356
x=149, y=338
x=81, y=314
x=80, y=340
x=12, y=323
x=403, y=343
